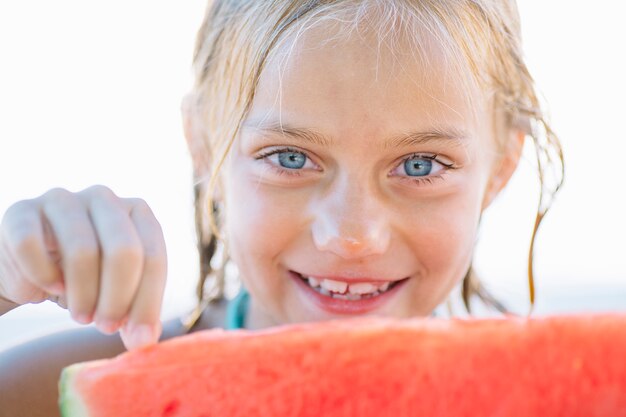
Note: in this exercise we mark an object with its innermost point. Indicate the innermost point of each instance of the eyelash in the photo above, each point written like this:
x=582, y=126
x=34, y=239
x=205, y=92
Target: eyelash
x=429, y=180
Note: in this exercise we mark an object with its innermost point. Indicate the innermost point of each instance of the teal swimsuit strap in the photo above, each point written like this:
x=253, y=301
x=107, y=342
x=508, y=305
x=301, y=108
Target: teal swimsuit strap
x=236, y=310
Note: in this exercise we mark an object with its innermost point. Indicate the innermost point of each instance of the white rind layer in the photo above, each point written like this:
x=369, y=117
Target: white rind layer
x=71, y=403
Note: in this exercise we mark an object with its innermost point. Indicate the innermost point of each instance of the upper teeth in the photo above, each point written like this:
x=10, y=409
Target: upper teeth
x=362, y=288
x=334, y=286
x=358, y=288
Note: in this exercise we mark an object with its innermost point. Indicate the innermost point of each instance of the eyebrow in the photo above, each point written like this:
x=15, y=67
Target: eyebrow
x=449, y=135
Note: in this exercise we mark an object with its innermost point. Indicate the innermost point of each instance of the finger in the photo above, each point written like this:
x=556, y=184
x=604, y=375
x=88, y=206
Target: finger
x=121, y=259
x=78, y=247
x=59, y=300
x=23, y=236
x=143, y=326
x=15, y=287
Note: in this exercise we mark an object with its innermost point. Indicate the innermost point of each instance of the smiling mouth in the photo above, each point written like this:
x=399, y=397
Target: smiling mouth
x=352, y=291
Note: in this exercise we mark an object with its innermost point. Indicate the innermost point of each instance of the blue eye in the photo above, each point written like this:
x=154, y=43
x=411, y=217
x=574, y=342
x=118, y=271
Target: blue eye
x=291, y=159
x=423, y=169
x=288, y=161
x=418, y=166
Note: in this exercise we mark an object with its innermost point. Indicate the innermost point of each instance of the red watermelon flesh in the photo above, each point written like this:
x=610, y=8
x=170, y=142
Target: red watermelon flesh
x=541, y=367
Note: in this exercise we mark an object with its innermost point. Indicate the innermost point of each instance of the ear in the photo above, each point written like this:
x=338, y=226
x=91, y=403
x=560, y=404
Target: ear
x=505, y=165
x=195, y=136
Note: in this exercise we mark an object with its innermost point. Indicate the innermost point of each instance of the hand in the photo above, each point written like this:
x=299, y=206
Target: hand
x=100, y=256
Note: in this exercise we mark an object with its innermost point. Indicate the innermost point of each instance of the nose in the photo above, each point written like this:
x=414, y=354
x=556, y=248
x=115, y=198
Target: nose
x=351, y=225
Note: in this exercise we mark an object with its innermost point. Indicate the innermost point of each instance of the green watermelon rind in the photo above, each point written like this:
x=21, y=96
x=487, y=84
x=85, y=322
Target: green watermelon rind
x=71, y=403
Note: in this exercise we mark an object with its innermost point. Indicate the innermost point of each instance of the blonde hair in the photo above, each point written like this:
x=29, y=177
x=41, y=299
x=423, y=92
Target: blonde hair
x=238, y=37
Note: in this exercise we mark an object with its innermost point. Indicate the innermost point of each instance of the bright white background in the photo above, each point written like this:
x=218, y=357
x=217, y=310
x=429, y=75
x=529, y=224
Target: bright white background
x=90, y=93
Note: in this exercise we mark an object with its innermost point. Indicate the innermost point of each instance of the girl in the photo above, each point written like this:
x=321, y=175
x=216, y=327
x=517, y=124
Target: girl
x=343, y=153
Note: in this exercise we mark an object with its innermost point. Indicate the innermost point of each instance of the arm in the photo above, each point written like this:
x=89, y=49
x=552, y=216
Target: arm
x=6, y=306
x=29, y=373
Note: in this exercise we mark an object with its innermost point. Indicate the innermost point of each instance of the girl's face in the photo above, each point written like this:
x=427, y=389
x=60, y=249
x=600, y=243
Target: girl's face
x=357, y=182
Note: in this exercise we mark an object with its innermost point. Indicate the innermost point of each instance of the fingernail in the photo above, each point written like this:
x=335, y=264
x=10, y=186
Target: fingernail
x=140, y=336
x=82, y=318
x=107, y=326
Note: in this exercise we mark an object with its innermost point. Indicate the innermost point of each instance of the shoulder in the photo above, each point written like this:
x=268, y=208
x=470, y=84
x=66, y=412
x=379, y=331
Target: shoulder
x=30, y=371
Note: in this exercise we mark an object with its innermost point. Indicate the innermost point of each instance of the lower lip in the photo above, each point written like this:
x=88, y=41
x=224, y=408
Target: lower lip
x=348, y=307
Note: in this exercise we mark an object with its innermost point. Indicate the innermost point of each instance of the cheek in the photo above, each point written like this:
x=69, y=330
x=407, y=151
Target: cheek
x=260, y=223
x=455, y=238
x=443, y=234
x=442, y=242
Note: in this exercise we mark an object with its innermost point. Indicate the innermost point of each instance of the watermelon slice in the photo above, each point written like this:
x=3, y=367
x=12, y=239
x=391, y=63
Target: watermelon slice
x=557, y=366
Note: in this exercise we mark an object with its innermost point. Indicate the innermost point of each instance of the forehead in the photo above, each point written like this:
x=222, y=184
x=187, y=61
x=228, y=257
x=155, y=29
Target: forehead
x=333, y=78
